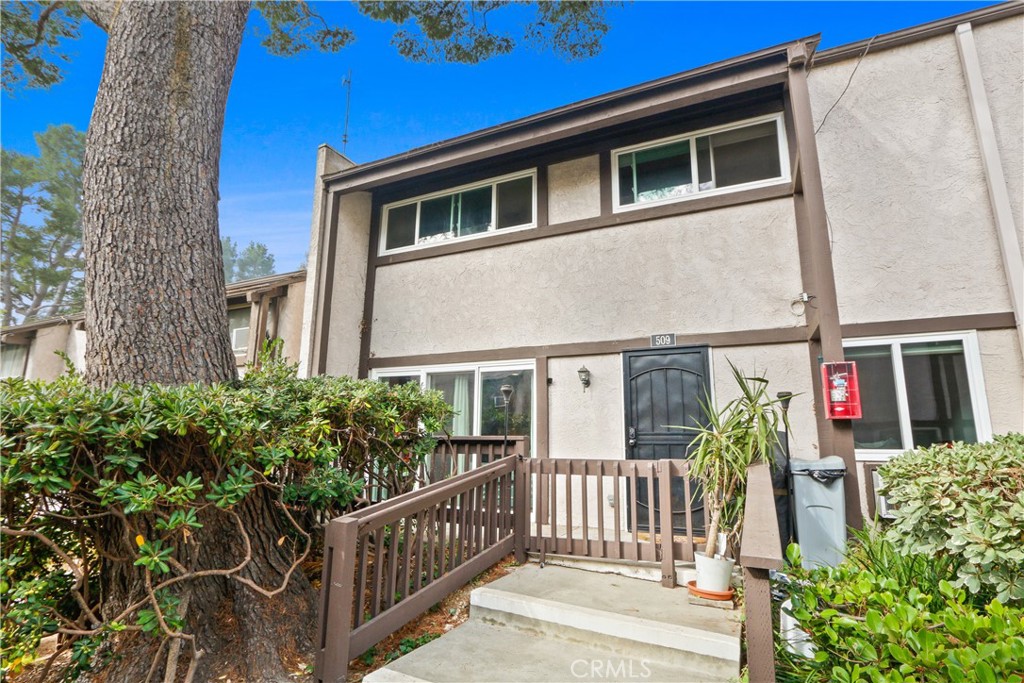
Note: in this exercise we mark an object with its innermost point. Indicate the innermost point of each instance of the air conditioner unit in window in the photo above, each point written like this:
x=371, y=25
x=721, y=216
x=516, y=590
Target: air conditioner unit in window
x=240, y=339
x=882, y=507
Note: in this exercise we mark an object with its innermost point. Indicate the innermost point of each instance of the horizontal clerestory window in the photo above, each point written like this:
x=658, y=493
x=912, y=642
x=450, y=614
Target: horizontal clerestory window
x=743, y=155
x=502, y=203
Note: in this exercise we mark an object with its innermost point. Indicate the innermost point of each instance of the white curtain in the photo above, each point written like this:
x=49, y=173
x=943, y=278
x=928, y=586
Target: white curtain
x=462, y=424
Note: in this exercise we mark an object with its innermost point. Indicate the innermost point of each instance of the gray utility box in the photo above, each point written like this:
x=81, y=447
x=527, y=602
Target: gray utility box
x=820, y=505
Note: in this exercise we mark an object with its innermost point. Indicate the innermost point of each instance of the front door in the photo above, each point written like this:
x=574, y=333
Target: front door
x=664, y=390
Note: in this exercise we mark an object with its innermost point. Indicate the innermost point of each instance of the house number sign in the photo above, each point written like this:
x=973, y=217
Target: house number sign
x=663, y=340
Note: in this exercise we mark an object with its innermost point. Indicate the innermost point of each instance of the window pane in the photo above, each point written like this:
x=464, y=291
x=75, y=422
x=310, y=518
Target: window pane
x=880, y=426
x=12, y=360
x=238, y=328
x=515, y=203
x=653, y=174
x=704, y=173
x=475, y=211
x=399, y=380
x=436, y=216
x=457, y=388
x=492, y=416
x=938, y=393
x=746, y=155
x=401, y=226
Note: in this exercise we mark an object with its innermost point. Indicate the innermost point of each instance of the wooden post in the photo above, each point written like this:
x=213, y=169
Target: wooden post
x=668, y=564
x=337, y=600
x=760, y=635
x=521, y=512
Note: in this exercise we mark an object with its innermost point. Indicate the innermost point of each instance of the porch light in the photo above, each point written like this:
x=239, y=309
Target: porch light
x=506, y=392
x=584, y=376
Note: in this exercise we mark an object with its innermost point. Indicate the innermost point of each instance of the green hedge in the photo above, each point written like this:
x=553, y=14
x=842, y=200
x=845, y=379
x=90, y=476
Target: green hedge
x=150, y=463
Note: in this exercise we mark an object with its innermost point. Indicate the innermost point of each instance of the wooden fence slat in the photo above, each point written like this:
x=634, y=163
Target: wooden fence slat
x=668, y=565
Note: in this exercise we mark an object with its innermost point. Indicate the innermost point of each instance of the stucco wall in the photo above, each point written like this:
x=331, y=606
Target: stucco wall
x=289, y=321
x=573, y=190
x=349, y=284
x=1004, y=379
x=787, y=367
x=728, y=269
x=1004, y=84
x=43, y=362
x=912, y=228
x=585, y=424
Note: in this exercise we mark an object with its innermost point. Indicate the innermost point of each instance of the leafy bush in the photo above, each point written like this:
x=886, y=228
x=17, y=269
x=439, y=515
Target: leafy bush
x=867, y=624
x=966, y=502
x=142, y=478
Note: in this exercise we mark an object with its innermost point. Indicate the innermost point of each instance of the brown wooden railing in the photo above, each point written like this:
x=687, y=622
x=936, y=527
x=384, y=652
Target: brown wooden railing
x=457, y=454
x=760, y=551
x=591, y=508
x=387, y=563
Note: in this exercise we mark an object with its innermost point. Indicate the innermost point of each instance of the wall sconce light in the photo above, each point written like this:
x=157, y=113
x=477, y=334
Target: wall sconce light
x=584, y=376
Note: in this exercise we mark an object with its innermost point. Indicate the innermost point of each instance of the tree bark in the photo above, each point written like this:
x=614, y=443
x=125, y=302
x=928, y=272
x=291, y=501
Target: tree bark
x=155, y=302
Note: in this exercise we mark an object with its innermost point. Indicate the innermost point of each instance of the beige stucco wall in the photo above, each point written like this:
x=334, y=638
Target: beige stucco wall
x=1004, y=379
x=997, y=43
x=349, y=285
x=43, y=361
x=621, y=282
x=288, y=310
x=912, y=228
x=573, y=190
x=787, y=367
x=585, y=424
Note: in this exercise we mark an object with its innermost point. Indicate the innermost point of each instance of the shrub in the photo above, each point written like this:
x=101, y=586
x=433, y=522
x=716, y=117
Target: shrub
x=965, y=502
x=142, y=478
x=867, y=625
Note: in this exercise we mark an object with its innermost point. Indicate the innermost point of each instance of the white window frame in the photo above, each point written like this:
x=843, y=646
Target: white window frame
x=784, y=168
x=490, y=182
x=478, y=369
x=975, y=381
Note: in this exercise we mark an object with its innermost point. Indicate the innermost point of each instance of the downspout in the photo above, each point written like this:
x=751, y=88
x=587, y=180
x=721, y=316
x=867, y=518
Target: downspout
x=995, y=180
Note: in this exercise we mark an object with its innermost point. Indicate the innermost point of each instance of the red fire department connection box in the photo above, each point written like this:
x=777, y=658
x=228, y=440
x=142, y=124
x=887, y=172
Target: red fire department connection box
x=842, y=392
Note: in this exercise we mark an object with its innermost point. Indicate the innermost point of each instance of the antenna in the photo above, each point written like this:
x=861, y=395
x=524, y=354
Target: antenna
x=347, y=84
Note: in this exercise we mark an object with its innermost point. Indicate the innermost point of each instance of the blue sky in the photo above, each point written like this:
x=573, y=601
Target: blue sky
x=280, y=109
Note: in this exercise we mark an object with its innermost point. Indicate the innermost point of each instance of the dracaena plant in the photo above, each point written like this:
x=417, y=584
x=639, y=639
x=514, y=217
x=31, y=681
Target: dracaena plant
x=737, y=435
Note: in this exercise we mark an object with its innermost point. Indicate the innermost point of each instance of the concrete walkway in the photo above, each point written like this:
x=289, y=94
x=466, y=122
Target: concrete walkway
x=558, y=624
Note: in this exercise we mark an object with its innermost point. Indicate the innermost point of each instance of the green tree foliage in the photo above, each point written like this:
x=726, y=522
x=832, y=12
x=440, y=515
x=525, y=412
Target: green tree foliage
x=253, y=261
x=965, y=502
x=162, y=467
x=42, y=230
x=33, y=42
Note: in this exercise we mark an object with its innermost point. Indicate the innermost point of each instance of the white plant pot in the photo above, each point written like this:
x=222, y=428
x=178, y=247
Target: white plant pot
x=713, y=574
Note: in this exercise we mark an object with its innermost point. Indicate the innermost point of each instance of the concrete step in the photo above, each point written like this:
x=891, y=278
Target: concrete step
x=560, y=624
x=477, y=652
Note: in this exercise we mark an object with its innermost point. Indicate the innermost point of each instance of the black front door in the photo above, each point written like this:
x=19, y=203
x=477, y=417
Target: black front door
x=664, y=390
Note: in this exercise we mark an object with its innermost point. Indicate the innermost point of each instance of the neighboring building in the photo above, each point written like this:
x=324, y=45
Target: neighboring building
x=774, y=210
x=272, y=303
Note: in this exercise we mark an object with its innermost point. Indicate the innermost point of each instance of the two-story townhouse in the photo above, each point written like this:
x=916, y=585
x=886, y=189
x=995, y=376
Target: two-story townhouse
x=607, y=259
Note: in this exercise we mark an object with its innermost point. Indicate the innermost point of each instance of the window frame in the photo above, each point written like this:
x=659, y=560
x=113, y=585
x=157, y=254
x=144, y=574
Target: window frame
x=240, y=307
x=419, y=199
x=691, y=137
x=975, y=386
x=478, y=369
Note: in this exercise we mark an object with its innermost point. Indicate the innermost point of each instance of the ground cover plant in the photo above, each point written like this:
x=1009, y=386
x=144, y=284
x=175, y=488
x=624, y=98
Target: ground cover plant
x=931, y=595
x=128, y=511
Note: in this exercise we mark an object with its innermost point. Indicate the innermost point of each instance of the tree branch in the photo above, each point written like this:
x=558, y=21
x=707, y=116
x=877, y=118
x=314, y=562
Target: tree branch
x=102, y=12
x=44, y=16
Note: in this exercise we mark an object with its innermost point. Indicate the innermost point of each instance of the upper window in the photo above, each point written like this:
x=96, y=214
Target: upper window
x=473, y=210
x=918, y=391
x=238, y=328
x=712, y=161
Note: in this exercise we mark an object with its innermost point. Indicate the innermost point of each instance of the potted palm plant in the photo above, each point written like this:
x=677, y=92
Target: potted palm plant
x=742, y=432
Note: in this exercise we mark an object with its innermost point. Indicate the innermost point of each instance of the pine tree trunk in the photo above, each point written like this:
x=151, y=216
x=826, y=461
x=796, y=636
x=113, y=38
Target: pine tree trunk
x=155, y=308
x=155, y=301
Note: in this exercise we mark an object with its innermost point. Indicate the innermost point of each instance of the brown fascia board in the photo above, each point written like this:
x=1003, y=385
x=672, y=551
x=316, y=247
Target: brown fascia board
x=259, y=284
x=887, y=41
x=738, y=74
x=40, y=324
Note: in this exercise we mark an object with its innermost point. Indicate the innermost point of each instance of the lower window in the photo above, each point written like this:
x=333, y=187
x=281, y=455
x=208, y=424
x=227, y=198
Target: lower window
x=474, y=391
x=918, y=391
